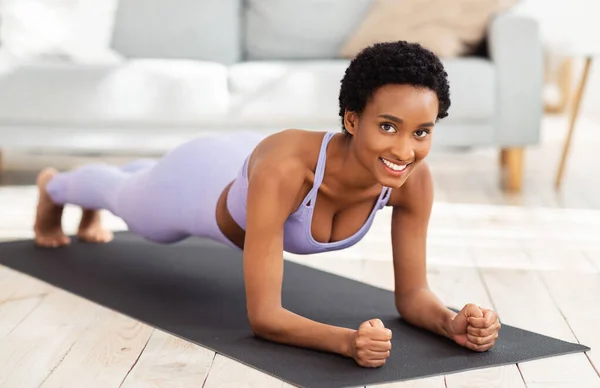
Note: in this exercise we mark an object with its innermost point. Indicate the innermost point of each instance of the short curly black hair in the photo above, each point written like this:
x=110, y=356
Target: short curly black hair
x=399, y=62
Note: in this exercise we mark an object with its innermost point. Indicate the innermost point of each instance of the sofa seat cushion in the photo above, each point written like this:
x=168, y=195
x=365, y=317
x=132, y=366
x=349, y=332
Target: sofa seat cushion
x=152, y=92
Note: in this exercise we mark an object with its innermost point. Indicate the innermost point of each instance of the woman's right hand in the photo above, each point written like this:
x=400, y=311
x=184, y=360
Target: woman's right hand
x=371, y=344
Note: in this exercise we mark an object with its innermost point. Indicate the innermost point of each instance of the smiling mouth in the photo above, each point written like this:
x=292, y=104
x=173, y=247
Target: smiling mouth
x=394, y=167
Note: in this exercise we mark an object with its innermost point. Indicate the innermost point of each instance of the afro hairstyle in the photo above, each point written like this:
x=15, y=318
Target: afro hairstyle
x=398, y=62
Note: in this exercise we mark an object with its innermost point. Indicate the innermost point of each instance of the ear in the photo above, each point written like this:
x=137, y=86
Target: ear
x=351, y=122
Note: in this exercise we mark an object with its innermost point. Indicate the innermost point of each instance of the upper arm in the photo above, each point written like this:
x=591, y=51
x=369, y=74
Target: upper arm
x=410, y=220
x=272, y=191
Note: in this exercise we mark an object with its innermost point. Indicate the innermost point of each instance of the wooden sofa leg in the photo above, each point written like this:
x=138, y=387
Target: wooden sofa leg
x=511, y=171
x=1, y=166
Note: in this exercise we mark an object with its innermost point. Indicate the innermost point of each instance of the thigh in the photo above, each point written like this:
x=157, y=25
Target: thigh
x=151, y=209
x=177, y=197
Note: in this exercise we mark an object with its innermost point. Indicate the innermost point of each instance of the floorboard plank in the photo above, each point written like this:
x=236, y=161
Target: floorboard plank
x=15, y=311
x=225, y=372
x=170, y=362
x=523, y=301
x=579, y=306
x=429, y=382
x=102, y=354
x=30, y=353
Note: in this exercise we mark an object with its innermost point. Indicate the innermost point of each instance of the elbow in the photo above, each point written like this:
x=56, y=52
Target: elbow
x=258, y=326
x=262, y=324
x=400, y=302
x=400, y=308
x=405, y=301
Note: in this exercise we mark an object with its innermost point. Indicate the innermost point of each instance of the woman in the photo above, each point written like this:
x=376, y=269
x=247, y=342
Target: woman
x=297, y=191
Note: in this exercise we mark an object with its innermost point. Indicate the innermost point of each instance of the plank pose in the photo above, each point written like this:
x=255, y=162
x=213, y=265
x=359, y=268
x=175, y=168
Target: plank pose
x=298, y=191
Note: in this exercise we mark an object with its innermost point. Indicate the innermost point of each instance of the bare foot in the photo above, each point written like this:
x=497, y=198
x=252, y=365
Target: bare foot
x=90, y=228
x=48, y=219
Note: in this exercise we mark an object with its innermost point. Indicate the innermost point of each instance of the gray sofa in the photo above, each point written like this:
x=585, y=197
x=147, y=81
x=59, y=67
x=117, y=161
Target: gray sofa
x=196, y=67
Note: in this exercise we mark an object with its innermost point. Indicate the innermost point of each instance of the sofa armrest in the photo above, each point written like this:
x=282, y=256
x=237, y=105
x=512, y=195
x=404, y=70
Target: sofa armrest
x=516, y=48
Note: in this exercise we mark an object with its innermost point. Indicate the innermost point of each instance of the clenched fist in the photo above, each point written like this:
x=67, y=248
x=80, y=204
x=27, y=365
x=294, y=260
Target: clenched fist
x=370, y=345
x=475, y=328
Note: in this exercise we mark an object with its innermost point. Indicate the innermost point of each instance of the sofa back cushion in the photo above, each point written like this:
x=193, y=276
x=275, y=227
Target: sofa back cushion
x=179, y=29
x=292, y=29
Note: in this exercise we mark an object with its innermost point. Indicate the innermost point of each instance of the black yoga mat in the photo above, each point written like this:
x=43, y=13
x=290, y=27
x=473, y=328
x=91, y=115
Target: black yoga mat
x=195, y=290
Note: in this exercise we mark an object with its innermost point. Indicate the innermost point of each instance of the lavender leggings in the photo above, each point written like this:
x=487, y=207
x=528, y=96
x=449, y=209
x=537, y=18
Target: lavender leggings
x=164, y=200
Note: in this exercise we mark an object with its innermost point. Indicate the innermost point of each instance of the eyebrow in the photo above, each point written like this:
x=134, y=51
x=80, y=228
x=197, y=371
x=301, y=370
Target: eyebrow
x=400, y=121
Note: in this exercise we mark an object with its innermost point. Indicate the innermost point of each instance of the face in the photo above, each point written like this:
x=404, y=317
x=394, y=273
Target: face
x=393, y=134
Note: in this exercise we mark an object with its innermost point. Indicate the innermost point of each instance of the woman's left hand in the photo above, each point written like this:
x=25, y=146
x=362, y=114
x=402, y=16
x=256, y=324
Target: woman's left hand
x=475, y=328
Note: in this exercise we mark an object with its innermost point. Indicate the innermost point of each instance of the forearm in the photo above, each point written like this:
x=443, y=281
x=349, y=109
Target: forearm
x=288, y=328
x=422, y=308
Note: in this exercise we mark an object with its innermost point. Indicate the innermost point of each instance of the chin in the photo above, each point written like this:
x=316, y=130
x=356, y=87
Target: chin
x=393, y=183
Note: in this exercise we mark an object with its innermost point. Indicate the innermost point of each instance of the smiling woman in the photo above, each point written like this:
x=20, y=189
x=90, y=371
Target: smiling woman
x=298, y=191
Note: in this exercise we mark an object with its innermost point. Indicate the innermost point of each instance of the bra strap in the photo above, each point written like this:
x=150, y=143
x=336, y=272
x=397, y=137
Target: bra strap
x=385, y=196
x=320, y=169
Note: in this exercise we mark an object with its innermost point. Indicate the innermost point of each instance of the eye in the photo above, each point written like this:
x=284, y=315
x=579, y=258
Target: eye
x=388, y=128
x=421, y=133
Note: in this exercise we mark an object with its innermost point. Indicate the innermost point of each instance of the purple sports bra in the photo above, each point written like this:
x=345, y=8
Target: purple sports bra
x=298, y=237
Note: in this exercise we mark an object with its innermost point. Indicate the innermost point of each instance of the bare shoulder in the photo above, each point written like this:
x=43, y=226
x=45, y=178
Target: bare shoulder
x=291, y=150
x=417, y=192
x=283, y=162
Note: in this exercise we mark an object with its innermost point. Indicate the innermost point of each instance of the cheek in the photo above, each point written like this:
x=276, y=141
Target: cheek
x=422, y=148
x=368, y=141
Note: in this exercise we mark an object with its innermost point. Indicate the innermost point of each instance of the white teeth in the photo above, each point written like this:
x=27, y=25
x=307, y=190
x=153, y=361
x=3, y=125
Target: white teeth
x=393, y=166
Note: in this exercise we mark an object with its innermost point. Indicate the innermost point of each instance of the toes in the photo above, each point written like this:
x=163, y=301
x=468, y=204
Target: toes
x=102, y=236
x=52, y=242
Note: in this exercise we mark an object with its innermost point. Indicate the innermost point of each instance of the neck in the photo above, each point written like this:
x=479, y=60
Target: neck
x=350, y=173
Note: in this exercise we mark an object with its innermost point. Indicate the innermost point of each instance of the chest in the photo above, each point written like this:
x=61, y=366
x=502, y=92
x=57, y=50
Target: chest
x=336, y=220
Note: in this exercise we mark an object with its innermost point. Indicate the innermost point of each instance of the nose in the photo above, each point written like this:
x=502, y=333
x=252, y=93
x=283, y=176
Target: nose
x=404, y=151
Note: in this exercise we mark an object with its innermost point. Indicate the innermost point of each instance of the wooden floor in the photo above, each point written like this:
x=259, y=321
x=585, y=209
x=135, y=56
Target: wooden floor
x=534, y=258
